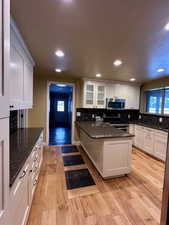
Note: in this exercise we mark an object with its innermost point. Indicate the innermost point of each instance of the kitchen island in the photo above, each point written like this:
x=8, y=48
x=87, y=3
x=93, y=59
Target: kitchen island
x=108, y=148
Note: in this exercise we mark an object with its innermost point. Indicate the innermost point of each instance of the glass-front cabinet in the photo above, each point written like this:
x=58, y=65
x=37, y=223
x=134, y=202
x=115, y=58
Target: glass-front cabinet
x=94, y=95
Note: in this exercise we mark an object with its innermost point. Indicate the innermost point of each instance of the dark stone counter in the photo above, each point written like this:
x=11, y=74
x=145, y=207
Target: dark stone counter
x=102, y=130
x=21, y=144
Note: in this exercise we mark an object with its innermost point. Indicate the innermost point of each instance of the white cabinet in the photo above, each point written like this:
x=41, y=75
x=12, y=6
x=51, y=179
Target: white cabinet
x=100, y=96
x=19, y=198
x=132, y=131
x=152, y=141
x=22, y=191
x=28, y=86
x=96, y=92
x=89, y=95
x=94, y=95
x=4, y=170
x=21, y=72
x=160, y=145
x=148, y=140
x=4, y=57
x=139, y=136
x=16, y=77
x=130, y=93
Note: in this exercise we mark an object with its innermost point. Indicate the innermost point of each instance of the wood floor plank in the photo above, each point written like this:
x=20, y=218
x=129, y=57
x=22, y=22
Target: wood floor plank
x=131, y=200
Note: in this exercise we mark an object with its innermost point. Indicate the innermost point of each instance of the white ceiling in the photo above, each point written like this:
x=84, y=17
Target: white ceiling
x=93, y=33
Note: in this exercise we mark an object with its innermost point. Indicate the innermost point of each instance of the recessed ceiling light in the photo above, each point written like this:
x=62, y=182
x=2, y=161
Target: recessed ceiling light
x=117, y=62
x=59, y=53
x=160, y=70
x=98, y=75
x=132, y=79
x=167, y=26
x=58, y=70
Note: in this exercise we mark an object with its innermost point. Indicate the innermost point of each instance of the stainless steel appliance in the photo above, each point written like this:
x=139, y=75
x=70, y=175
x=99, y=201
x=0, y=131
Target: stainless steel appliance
x=115, y=103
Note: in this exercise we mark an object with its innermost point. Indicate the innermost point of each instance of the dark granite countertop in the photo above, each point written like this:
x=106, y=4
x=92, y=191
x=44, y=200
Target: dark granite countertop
x=98, y=130
x=151, y=126
x=21, y=144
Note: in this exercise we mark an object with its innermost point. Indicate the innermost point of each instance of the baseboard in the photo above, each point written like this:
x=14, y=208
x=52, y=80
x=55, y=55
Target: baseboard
x=76, y=143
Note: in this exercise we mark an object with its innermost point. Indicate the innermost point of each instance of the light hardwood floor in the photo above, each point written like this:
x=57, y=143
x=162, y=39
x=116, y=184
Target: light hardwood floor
x=132, y=200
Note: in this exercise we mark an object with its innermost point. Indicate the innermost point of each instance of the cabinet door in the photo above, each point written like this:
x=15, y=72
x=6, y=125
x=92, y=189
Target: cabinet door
x=89, y=95
x=4, y=169
x=160, y=146
x=4, y=57
x=19, y=198
x=28, y=86
x=148, y=141
x=100, y=96
x=16, y=78
x=139, y=137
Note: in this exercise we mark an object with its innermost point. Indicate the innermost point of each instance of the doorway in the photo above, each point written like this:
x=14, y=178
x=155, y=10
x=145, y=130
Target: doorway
x=60, y=114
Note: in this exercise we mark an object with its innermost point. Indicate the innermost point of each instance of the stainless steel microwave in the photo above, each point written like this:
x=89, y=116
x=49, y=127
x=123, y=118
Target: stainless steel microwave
x=115, y=103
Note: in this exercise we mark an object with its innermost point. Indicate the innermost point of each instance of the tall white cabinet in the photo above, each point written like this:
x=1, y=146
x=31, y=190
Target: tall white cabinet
x=4, y=109
x=21, y=72
x=4, y=57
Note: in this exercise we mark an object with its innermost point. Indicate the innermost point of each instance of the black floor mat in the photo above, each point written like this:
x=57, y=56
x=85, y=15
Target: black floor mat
x=78, y=178
x=69, y=149
x=72, y=160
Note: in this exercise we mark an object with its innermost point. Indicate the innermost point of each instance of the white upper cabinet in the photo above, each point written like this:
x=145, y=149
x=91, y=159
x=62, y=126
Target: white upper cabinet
x=28, y=86
x=21, y=72
x=4, y=56
x=95, y=94
x=100, y=96
x=16, y=78
x=89, y=95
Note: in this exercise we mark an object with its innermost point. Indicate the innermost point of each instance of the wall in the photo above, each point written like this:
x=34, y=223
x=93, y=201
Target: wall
x=158, y=83
x=37, y=117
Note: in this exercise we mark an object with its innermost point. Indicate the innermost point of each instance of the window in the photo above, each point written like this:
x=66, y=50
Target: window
x=157, y=101
x=166, y=102
x=60, y=106
x=154, y=101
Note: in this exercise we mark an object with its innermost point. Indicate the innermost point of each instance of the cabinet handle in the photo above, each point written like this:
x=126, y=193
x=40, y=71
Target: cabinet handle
x=30, y=171
x=35, y=182
x=11, y=106
x=23, y=174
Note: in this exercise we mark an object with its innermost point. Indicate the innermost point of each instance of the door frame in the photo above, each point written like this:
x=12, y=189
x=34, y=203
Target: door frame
x=73, y=109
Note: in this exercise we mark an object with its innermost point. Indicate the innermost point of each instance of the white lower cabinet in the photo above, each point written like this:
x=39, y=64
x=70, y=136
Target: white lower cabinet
x=151, y=141
x=22, y=191
x=4, y=170
x=160, y=145
x=139, y=137
x=148, y=144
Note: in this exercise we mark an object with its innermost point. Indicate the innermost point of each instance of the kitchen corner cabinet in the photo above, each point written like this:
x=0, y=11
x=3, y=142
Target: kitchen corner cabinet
x=151, y=141
x=94, y=95
x=4, y=170
x=21, y=72
x=4, y=56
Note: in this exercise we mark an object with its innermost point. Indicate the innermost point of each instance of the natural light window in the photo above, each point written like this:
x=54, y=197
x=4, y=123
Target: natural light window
x=60, y=106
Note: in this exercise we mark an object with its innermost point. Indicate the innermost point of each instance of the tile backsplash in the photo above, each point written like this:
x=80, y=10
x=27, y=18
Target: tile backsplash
x=116, y=116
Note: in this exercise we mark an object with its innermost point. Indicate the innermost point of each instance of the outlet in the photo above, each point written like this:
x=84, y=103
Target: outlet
x=160, y=119
x=129, y=116
x=139, y=117
x=93, y=116
x=78, y=114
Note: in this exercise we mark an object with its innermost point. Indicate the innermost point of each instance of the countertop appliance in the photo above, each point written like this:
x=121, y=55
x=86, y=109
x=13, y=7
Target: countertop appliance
x=115, y=103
